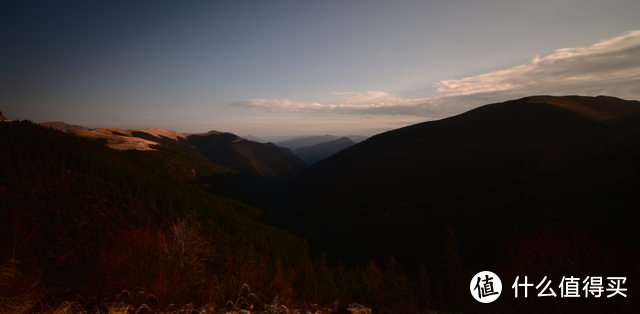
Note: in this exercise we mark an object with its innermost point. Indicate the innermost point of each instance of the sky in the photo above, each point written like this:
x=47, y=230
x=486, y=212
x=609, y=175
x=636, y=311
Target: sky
x=285, y=68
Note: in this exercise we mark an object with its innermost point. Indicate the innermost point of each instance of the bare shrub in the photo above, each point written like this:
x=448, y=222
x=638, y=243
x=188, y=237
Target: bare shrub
x=168, y=265
x=184, y=253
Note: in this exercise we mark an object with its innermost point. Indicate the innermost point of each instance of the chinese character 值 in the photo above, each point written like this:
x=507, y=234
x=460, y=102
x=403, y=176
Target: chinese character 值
x=569, y=288
x=486, y=289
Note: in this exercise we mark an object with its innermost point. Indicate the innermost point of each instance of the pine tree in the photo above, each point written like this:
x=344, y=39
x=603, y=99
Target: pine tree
x=424, y=291
x=308, y=280
x=399, y=291
x=371, y=285
x=543, y=211
x=392, y=281
x=452, y=279
x=326, y=282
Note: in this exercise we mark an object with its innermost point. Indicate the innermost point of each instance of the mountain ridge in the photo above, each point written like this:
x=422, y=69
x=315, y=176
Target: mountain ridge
x=65, y=127
x=225, y=149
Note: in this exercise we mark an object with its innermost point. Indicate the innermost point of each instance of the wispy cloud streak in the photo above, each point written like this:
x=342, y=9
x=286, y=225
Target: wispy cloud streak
x=344, y=93
x=610, y=67
x=369, y=103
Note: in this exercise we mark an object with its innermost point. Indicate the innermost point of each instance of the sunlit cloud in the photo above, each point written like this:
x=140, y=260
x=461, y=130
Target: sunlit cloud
x=610, y=67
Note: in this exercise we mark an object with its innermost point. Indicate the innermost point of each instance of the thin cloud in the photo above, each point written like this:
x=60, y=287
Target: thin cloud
x=369, y=103
x=344, y=93
x=610, y=67
x=276, y=105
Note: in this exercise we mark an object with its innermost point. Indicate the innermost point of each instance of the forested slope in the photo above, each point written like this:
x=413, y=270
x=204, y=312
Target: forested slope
x=65, y=196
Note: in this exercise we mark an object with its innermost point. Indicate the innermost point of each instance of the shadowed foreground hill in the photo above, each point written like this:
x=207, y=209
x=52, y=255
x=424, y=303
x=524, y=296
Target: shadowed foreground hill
x=484, y=172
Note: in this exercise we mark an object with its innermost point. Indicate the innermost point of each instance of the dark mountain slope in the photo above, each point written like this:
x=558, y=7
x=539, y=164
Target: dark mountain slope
x=480, y=171
x=258, y=169
x=357, y=138
x=252, y=138
x=313, y=154
x=249, y=157
x=183, y=165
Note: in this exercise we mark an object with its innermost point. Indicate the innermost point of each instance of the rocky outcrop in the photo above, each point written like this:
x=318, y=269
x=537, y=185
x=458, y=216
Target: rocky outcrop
x=355, y=308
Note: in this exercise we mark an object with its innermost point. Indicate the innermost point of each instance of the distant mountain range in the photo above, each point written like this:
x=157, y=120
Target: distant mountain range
x=315, y=153
x=484, y=172
x=58, y=125
x=317, y=139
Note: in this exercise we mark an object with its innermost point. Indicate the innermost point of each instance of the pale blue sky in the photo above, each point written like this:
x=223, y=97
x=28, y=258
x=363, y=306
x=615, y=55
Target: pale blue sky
x=276, y=67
